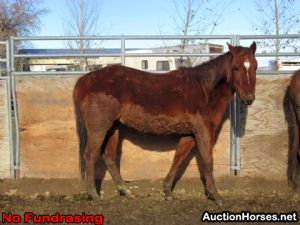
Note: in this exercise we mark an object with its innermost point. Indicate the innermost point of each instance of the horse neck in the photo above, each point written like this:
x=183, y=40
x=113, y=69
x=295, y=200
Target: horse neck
x=218, y=101
x=211, y=73
x=224, y=91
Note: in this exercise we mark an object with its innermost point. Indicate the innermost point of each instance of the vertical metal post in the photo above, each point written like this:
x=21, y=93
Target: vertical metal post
x=16, y=113
x=9, y=111
x=123, y=50
x=233, y=136
x=238, y=125
x=235, y=162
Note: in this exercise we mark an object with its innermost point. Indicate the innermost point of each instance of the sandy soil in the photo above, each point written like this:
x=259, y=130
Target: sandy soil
x=42, y=196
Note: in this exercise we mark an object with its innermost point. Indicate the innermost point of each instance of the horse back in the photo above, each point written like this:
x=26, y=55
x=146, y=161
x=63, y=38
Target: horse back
x=169, y=93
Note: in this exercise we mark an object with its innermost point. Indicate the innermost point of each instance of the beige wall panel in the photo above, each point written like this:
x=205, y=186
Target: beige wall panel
x=4, y=132
x=264, y=145
x=49, y=144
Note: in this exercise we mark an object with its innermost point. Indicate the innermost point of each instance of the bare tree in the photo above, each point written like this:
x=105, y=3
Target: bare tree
x=277, y=17
x=20, y=17
x=197, y=17
x=83, y=20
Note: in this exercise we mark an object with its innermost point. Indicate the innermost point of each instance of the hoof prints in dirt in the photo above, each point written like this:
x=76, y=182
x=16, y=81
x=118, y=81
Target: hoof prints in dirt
x=148, y=206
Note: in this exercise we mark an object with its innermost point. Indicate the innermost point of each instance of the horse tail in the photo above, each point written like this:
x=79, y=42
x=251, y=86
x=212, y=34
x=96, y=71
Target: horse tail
x=82, y=134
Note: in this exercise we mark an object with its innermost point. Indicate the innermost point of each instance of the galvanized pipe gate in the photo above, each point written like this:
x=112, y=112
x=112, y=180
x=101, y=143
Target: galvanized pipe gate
x=12, y=54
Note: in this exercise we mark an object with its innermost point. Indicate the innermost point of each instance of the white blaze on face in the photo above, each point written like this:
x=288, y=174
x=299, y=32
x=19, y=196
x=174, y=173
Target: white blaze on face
x=247, y=66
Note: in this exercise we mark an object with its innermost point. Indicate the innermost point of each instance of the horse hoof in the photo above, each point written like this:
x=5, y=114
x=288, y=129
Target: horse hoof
x=219, y=202
x=216, y=198
x=127, y=193
x=168, y=197
x=94, y=196
x=292, y=185
x=86, y=196
x=124, y=191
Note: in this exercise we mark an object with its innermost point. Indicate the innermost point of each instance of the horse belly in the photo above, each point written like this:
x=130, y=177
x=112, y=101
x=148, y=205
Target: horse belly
x=135, y=116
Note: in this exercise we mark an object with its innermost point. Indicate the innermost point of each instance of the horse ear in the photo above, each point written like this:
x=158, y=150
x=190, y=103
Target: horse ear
x=232, y=49
x=253, y=47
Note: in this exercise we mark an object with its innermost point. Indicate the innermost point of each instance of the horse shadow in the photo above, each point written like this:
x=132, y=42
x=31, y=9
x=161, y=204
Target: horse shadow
x=243, y=120
x=151, y=142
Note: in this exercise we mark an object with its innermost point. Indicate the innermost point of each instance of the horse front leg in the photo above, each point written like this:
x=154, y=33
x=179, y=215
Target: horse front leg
x=183, y=149
x=205, y=146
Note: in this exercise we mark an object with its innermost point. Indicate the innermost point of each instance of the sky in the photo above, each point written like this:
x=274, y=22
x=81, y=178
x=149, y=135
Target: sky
x=137, y=17
x=142, y=17
x=150, y=17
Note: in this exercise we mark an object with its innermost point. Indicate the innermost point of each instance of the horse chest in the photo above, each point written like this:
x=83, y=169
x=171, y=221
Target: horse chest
x=136, y=117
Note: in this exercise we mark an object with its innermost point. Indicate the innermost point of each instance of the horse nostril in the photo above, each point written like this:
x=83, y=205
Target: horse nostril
x=248, y=100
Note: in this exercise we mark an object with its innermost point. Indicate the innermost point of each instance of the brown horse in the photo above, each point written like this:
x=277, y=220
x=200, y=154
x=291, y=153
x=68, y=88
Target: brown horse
x=294, y=99
x=187, y=101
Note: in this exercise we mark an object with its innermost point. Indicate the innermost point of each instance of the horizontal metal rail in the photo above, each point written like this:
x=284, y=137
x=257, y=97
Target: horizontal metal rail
x=278, y=54
x=281, y=36
x=51, y=73
x=127, y=37
x=143, y=55
x=273, y=72
x=4, y=78
x=114, y=55
x=64, y=55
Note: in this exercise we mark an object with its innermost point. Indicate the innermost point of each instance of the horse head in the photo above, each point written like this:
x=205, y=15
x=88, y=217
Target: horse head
x=242, y=74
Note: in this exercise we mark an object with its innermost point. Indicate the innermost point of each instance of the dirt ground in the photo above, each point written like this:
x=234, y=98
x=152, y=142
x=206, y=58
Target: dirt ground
x=48, y=196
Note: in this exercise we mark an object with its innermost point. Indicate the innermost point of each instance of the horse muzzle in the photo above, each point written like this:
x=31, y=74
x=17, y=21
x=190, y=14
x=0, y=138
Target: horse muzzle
x=248, y=99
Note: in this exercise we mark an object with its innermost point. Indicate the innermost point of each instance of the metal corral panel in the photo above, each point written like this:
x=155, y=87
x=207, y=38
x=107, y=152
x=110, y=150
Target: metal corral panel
x=4, y=132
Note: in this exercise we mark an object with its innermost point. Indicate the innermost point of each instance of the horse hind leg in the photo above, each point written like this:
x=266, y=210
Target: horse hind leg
x=92, y=154
x=109, y=157
x=183, y=149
